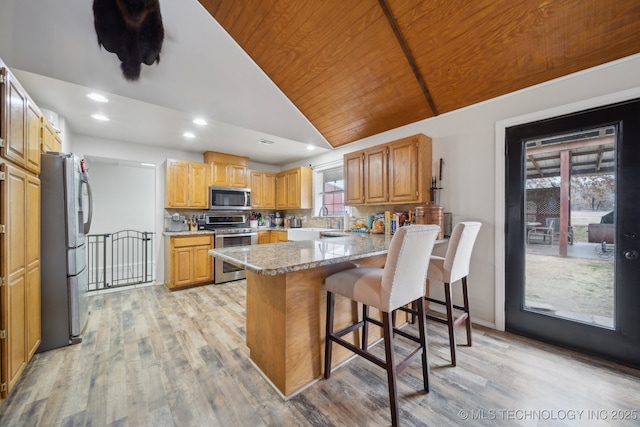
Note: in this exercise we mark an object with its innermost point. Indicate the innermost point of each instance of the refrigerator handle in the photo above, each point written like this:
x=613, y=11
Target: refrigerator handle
x=87, y=224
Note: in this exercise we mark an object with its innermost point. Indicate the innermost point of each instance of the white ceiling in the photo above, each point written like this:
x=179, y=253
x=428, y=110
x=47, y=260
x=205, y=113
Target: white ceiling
x=52, y=48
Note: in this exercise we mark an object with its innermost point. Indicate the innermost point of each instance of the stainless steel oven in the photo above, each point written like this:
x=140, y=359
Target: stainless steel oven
x=229, y=237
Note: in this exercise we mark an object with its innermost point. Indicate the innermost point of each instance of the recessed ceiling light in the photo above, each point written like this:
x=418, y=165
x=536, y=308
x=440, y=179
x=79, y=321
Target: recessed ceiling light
x=100, y=117
x=200, y=122
x=189, y=135
x=97, y=97
x=311, y=147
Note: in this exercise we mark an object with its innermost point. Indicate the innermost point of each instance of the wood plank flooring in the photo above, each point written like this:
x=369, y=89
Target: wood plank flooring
x=155, y=358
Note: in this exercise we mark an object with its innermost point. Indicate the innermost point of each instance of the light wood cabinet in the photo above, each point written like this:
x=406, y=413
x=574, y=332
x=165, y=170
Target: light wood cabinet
x=187, y=261
x=354, y=175
x=20, y=295
x=186, y=184
x=264, y=237
x=228, y=170
x=398, y=172
x=272, y=236
x=294, y=189
x=263, y=190
x=376, y=175
x=20, y=130
x=50, y=139
x=278, y=236
x=33, y=136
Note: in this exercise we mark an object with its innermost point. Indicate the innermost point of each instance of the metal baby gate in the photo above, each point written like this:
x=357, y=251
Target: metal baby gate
x=120, y=259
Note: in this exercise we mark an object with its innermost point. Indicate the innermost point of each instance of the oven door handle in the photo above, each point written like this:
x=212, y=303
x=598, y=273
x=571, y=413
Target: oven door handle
x=236, y=235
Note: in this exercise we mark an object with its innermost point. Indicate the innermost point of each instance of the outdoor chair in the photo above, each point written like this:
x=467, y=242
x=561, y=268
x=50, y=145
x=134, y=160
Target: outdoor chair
x=540, y=234
x=554, y=223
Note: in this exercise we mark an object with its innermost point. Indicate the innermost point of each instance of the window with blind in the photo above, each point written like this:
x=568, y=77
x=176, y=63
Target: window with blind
x=333, y=190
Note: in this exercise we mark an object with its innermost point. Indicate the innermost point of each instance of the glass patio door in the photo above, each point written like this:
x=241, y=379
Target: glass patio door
x=573, y=236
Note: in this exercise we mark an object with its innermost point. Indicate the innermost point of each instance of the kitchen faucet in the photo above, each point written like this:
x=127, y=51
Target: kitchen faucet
x=323, y=211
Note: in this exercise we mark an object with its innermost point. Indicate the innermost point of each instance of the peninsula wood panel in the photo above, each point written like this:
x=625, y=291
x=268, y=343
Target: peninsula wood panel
x=286, y=323
x=341, y=63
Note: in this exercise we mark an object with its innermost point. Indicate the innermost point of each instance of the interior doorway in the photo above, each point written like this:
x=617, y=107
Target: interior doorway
x=121, y=240
x=572, y=231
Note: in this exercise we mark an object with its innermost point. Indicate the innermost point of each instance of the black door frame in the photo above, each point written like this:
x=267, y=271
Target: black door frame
x=623, y=343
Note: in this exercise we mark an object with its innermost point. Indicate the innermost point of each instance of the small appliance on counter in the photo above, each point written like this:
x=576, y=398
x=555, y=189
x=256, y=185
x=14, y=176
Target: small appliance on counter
x=175, y=222
x=295, y=222
x=278, y=220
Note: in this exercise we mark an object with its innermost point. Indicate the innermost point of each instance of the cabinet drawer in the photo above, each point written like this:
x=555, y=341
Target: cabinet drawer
x=181, y=242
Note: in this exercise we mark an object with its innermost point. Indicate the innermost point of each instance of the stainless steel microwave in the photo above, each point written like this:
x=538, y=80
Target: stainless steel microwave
x=229, y=198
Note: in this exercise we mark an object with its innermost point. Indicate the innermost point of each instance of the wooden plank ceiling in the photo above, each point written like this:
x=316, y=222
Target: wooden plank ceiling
x=356, y=68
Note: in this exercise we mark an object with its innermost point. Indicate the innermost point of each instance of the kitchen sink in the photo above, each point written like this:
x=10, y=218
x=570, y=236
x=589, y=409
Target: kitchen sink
x=310, y=233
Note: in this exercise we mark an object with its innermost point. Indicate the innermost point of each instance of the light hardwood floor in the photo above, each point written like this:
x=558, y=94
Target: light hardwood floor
x=155, y=358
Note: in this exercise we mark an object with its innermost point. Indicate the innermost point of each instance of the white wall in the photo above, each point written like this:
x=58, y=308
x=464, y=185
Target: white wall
x=474, y=163
x=123, y=196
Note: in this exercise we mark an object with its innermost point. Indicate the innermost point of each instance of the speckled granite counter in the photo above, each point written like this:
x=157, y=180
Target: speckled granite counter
x=281, y=258
x=186, y=233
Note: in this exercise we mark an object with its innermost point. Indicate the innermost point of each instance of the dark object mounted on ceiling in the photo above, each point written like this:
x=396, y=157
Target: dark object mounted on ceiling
x=132, y=29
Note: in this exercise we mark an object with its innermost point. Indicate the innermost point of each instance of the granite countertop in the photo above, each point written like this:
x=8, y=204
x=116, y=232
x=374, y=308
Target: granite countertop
x=186, y=233
x=279, y=258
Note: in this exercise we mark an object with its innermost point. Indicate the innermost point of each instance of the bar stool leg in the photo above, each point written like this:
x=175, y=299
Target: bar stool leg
x=465, y=297
x=452, y=336
x=365, y=327
x=391, y=367
x=328, y=342
x=426, y=371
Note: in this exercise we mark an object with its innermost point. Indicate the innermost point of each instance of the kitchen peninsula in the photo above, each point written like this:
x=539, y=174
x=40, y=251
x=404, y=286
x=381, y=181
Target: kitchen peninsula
x=285, y=306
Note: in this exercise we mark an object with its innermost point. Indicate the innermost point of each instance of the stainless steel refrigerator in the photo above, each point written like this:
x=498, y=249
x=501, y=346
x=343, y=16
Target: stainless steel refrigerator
x=66, y=208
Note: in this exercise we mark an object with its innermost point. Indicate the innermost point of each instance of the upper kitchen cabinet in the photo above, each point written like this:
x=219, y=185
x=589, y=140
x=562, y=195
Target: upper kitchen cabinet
x=294, y=189
x=228, y=170
x=394, y=173
x=186, y=184
x=19, y=124
x=50, y=139
x=354, y=175
x=263, y=190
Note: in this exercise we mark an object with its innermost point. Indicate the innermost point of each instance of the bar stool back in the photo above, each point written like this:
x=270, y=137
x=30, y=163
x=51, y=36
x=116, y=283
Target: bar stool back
x=453, y=267
x=402, y=281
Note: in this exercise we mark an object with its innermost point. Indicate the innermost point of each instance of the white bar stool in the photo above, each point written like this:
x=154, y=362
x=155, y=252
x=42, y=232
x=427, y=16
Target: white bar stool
x=402, y=281
x=448, y=270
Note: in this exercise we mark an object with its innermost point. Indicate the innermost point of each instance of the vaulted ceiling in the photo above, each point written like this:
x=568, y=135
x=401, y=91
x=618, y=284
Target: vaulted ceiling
x=356, y=68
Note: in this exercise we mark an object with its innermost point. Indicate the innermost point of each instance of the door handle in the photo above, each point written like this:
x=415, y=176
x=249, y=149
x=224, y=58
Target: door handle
x=631, y=254
x=631, y=235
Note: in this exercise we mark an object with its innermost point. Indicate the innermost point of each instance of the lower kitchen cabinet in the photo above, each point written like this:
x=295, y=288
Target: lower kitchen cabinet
x=264, y=237
x=272, y=236
x=278, y=236
x=187, y=261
